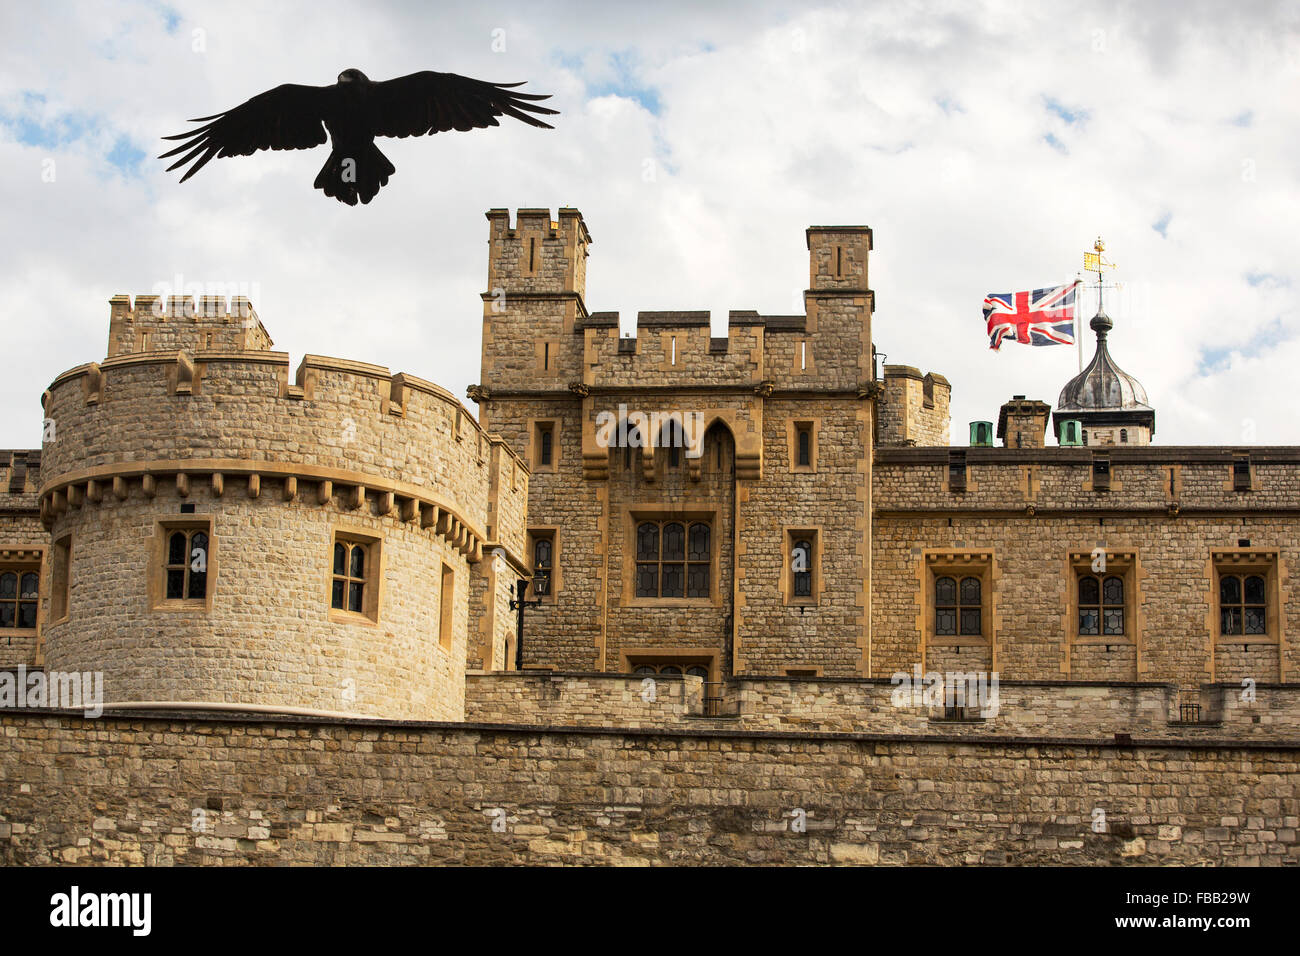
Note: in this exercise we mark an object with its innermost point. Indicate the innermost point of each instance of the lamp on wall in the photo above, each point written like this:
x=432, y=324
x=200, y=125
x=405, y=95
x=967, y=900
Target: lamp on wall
x=517, y=605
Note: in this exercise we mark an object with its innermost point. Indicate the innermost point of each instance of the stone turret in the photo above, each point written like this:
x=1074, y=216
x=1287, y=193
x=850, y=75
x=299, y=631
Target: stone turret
x=1110, y=404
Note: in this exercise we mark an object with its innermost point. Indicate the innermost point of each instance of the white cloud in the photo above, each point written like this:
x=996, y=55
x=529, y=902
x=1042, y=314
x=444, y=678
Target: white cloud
x=927, y=122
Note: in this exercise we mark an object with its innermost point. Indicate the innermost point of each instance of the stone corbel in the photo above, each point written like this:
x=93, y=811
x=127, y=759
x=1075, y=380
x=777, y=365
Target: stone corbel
x=397, y=395
x=765, y=388
x=94, y=384
x=580, y=388
x=184, y=374
x=477, y=393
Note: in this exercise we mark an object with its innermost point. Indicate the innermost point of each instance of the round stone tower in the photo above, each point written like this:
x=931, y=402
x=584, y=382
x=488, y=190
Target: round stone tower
x=224, y=535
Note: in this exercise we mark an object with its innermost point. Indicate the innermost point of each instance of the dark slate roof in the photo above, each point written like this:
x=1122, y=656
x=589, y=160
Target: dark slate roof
x=1103, y=385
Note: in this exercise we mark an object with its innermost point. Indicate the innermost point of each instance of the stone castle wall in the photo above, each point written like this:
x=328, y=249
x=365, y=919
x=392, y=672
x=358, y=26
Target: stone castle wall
x=859, y=705
x=200, y=789
x=1171, y=511
x=768, y=374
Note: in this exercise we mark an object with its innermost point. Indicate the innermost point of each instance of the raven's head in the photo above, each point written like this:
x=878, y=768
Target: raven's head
x=353, y=75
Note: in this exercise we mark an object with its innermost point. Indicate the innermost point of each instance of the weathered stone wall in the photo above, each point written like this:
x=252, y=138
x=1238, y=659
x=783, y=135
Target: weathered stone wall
x=268, y=635
x=1171, y=509
x=558, y=699
x=827, y=633
x=192, y=790
x=879, y=706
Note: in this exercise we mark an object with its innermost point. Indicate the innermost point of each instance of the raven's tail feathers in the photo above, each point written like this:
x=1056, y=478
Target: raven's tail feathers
x=349, y=177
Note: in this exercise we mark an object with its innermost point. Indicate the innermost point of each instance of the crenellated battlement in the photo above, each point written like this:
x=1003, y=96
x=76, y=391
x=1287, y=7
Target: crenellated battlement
x=392, y=442
x=913, y=408
x=210, y=323
x=539, y=337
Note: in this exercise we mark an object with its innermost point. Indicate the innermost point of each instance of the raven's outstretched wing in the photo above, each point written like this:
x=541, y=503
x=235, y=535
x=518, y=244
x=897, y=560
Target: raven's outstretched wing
x=429, y=102
x=288, y=117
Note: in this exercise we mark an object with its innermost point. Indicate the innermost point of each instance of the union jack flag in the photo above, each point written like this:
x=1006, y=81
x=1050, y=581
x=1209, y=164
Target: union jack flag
x=1041, y=317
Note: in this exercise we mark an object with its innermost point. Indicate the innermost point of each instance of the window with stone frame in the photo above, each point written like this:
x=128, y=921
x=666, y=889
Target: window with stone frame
x=803, y=446
x=185, y=568
x=674, y=559
x=545, y=451
x=958, y=604
x=1243, y=604
x=1246, y=596
x=801, y=560
x=1101, y=605
x=60, y=578
x=670, y=669
x=544, y=563
x=446, y=608
x=354, y=576
x=20, y=589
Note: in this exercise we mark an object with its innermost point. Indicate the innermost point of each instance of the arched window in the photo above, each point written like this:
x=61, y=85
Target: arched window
x=1243, y=604
x=187, y=565
x=670, y=669
x=543, y=556
x=957, y=606
x=805, y=447
x=19, y=592
x=673, y=559
x=1101, y=605
x=801, y=567
x=349, y=590
x=1123, y=434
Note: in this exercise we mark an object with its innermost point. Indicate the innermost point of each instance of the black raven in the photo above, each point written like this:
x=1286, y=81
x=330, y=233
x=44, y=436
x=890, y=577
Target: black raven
x=355, y=111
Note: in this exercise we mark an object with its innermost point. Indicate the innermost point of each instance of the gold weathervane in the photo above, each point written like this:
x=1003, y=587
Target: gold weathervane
x=1093, y=262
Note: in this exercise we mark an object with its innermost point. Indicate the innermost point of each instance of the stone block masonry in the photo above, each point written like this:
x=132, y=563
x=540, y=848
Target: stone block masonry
x=201, y=789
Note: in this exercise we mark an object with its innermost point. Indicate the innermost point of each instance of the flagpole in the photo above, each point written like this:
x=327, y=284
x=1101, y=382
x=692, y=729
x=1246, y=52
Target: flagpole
x=1078, y=337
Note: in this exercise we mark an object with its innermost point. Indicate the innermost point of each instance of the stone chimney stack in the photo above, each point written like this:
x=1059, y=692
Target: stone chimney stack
x=1022, y=423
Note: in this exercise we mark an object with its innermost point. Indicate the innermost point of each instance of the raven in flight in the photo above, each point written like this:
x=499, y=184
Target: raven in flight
x=355, y=111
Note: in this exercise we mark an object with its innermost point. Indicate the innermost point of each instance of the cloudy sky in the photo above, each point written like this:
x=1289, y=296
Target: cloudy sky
x=987, y=145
